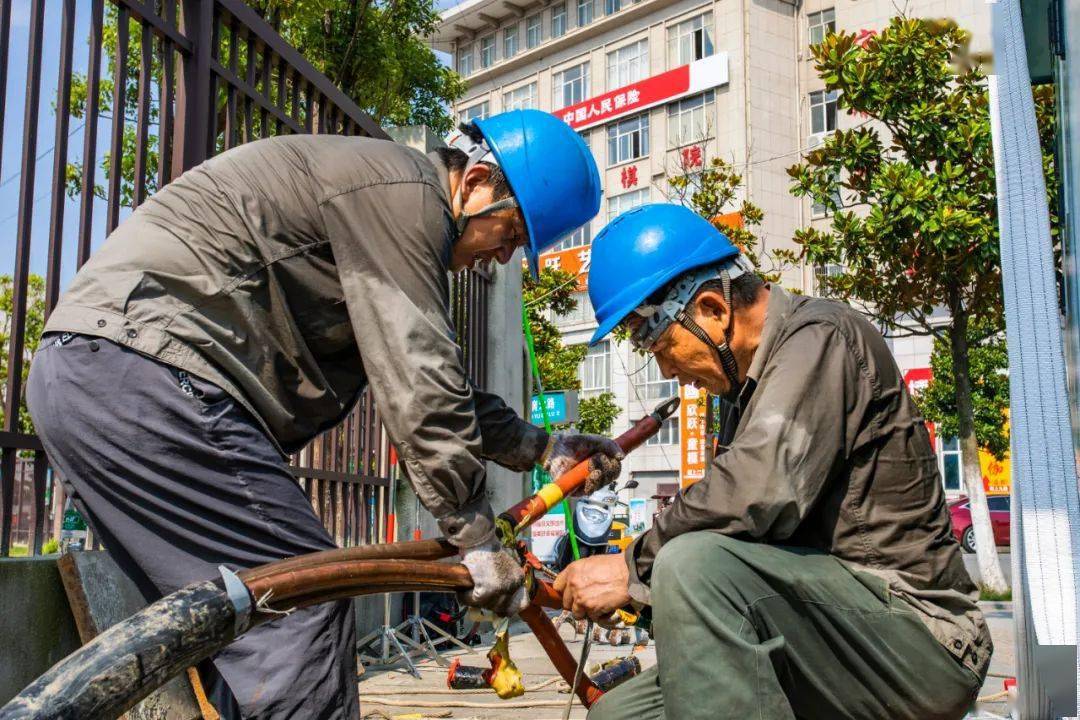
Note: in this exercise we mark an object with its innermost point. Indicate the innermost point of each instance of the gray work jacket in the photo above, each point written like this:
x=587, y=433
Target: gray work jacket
x=826, y=449
x=295, y=272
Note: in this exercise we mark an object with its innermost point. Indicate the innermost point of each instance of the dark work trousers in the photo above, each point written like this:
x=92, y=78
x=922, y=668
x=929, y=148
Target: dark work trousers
x=753, y=631
x=176, y=478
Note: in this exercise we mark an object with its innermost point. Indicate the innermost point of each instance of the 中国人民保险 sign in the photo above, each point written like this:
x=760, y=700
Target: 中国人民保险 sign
x=561, y=406
x=696, y=77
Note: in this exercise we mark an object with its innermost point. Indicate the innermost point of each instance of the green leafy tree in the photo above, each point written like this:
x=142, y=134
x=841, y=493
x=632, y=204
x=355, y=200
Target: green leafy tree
x=914, y=216
x=374, y=51
x=988, y=363
x=35, y=322
x=598, y=414
x=550, y=296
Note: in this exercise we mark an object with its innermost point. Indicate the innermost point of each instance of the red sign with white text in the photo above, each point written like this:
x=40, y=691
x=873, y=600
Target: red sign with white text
x=696, y=77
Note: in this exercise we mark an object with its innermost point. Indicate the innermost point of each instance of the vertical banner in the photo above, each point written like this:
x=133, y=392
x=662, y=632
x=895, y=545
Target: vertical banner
x=692, y=434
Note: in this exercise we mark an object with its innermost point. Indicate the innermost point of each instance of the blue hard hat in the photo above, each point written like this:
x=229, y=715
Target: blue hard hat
x=551, y=171
x=644, y=249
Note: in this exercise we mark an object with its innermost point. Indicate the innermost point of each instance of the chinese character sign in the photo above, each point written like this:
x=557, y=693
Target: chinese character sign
x=692, y=157
x=692, y=434
x=698, y=76
x=629, y=176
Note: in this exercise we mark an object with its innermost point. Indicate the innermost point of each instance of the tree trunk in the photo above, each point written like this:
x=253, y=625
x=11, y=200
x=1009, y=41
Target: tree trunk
x=992, y=577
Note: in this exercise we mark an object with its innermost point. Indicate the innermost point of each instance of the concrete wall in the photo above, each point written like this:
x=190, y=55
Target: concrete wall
x=36, y=626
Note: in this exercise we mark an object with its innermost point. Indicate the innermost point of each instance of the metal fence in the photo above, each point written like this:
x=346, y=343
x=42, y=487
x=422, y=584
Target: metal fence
x=189, y=79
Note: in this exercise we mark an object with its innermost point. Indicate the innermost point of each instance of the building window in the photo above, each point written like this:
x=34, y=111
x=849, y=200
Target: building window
x=628, y=64
x=690, y=40
x=951, y=463
x=821, y=24
x=579, y=238
x=586, y=12
x=465, y=60
x=558, y=20
x=690, y=120
x=621, y=203
x=652, y=385
x=823, y=111
x=595, y=371
x=612, y=6
x=475, y=112
x=628, y=139
x=534, y=31
x=819, y=209
x=668, y=434
x=570, y=86
x=521, y=98
x=487, y=51
x=821, y=272
x=510, y=41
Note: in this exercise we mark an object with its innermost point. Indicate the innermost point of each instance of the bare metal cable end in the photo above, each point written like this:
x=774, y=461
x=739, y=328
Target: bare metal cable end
x=263, y=605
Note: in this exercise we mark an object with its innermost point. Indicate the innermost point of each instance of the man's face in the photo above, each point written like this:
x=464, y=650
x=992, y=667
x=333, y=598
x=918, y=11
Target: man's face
x=489, y=237
x=679, y=354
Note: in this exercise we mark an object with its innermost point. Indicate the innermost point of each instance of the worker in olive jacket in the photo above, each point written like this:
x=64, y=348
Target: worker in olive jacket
x=242, y=310
x=812, y=572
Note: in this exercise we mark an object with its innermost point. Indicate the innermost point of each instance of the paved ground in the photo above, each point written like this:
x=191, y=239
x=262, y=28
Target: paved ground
x=972, y=564
x=548, y=704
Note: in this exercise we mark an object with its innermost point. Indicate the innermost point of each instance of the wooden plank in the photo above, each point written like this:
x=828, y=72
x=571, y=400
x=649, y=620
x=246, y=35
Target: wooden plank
x=100, y=596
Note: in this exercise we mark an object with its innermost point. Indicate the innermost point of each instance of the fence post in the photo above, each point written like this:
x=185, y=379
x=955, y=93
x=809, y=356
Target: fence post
x=193, y=102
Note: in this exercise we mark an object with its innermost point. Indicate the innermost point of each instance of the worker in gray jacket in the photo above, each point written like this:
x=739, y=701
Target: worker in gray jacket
x=242, y=310
x=812, y=572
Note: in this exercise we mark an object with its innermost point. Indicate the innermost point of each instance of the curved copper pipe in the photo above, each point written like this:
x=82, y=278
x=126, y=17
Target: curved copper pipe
x=290, y=583
x=436, y=549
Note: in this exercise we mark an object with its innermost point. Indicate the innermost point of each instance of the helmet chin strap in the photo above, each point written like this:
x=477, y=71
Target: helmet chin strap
x=722, y=349
x=477, y=153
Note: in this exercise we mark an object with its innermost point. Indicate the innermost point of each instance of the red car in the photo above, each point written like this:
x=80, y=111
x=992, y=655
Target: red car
x=960, y=511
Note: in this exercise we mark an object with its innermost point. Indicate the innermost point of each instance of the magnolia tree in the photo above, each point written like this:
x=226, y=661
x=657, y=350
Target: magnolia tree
x=910, y=188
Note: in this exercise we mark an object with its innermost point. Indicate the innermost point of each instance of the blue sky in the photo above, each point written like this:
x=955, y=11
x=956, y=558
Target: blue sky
x=11, y=157
x=11, y=160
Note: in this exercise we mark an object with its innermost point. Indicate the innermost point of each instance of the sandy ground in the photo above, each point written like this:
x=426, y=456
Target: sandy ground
x=381, y=684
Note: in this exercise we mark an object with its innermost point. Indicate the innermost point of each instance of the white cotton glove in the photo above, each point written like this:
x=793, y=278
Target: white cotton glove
x=498, y=579
x=567, y=449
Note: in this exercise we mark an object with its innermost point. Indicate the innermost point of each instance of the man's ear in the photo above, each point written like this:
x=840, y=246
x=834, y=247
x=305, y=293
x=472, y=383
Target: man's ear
x=478, y=174
x=710, y=305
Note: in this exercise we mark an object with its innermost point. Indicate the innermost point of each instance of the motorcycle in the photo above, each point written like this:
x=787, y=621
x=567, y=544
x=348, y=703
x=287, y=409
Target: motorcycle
x=593, y=517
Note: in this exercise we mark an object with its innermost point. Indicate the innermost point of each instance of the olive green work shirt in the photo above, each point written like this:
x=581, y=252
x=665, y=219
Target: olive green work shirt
x=825, y=449
x=296, y=271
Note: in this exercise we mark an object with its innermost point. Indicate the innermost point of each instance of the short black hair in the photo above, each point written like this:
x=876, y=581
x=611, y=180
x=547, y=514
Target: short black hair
x=456, y=160
x=744, y=289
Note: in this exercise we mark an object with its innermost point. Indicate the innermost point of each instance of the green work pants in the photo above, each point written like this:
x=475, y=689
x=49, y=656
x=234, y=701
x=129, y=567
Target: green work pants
x=746, y=630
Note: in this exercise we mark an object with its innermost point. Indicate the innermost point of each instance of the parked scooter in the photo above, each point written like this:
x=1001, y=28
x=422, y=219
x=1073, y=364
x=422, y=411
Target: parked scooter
x=593, y=516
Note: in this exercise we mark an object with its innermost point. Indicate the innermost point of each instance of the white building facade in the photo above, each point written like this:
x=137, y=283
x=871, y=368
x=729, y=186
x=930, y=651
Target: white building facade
x=657, y=88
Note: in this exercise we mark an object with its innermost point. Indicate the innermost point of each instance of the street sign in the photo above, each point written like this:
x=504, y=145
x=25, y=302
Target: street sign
x=562, y=407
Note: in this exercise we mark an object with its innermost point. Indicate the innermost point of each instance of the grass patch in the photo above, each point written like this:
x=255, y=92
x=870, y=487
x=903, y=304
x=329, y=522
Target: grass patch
x=988, y=595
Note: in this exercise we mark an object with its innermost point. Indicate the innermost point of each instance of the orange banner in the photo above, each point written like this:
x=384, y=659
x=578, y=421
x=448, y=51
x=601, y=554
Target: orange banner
x=574, y=260
x=692, y=433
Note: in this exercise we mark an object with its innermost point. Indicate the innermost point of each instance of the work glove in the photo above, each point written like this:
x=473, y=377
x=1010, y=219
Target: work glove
x=567, y=449
x=498, y=579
